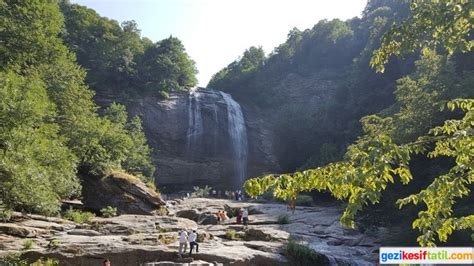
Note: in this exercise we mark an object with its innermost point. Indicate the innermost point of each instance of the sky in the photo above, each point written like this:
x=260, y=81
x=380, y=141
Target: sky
x=216, y=32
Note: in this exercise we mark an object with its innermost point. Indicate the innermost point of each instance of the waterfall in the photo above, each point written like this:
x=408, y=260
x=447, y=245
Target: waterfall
x=195, y=125
x=208, y=111
x=238, y=137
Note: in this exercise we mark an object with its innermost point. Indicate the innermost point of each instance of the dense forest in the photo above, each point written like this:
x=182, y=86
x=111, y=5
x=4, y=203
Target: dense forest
x=119, y=62
x=403, y=70
x=53, y=56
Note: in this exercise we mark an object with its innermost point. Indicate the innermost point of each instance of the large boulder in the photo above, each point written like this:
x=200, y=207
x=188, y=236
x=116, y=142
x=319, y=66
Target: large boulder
x=125, y=192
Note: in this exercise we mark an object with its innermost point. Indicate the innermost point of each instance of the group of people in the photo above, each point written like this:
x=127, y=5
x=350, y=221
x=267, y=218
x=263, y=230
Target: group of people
x=238, y=195
x=221, y=216
x=184, y=239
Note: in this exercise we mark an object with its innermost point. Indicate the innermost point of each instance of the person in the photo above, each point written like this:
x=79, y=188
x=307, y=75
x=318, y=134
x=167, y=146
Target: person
x=193, y=242
x=245, y=217
x=236, y=195
x=239, y=216
x=218, y=217
x=183, y=242
x=223, y=216
x=106, y=262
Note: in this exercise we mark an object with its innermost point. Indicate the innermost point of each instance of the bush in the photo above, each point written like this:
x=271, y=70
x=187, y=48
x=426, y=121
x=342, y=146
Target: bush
x=108, y=212
x=201, y=192
x=54, y=244
x=231, y=234
x=162, y=211
x=46, y=262
x=5, y=213
x=284, y=219
x=78, y=217
x=13, y=259
x=299, y=254
x=27, y=244
x=304, y=200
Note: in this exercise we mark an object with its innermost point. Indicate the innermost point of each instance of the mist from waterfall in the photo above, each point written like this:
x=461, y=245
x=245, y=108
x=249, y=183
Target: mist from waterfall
x=238, y=136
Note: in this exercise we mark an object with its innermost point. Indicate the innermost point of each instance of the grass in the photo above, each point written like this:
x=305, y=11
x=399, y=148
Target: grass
x=27, y=244
x=299, y=254
x=78, y=217
x=54, y=244
x=108, y=212
x=284, y=219
x=231, y=234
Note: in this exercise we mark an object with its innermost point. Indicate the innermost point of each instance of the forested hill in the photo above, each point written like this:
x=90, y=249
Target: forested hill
x=380, y=141
x=119, y=62
x=331, y=61
x=52, y=138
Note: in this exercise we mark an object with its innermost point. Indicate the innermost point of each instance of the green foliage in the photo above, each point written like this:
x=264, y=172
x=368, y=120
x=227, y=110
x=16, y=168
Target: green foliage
x=50, y=127
x=5, y=213
x=453, y=139
x=54, y=244
x=36, y=167
x=201, y=192
x=431, y=24
x=284, y=219
x=120, y=60
x=108, y=212
x=27, y=244
x=46, y=262
x=78, y=217
x=231, y=234
x=13, y=259
x=383, y=154
x=299, y=254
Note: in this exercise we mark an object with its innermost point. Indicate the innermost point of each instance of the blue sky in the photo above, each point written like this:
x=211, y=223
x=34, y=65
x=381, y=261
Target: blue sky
x=216, y=32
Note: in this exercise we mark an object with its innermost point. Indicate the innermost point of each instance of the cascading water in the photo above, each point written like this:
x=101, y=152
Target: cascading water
x=195, y=124
x=238, y=136
x=208, y=111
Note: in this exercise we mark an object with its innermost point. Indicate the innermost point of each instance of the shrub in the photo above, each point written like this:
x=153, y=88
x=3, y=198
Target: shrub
x=201, y=192
x=108, y=212
x=46, y=262
x=284, y=219
x=13, y=259
x=27, y=244
x=78, y=217
x=54, y=244
x=230, y=234
x=304, y=200
x=299, y=254
x=162, y=211
x=5, y=213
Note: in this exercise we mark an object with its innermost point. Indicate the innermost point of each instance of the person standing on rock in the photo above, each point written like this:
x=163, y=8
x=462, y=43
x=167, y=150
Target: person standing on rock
x=193, y=242
x=245, y=217
x=183, y=242
x=239, y=216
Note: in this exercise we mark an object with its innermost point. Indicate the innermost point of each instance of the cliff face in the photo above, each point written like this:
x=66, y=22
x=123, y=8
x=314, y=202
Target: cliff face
x=191, y=136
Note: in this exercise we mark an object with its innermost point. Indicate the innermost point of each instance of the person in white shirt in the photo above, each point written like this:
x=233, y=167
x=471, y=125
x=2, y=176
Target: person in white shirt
x=183, y=242
x=245, y=217
x=193, y=242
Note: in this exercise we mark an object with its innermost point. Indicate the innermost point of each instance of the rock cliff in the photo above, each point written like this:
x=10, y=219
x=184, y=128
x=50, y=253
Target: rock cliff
x=187, y=155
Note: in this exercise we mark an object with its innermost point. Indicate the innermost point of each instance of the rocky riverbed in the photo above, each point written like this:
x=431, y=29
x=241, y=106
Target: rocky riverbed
x=152, y=240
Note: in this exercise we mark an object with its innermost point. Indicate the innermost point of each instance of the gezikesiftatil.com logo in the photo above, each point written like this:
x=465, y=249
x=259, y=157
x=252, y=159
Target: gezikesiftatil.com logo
x=438, y=255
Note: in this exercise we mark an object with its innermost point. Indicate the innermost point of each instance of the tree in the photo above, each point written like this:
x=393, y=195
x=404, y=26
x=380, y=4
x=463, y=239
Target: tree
x=376, y=159
x=432, y=24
